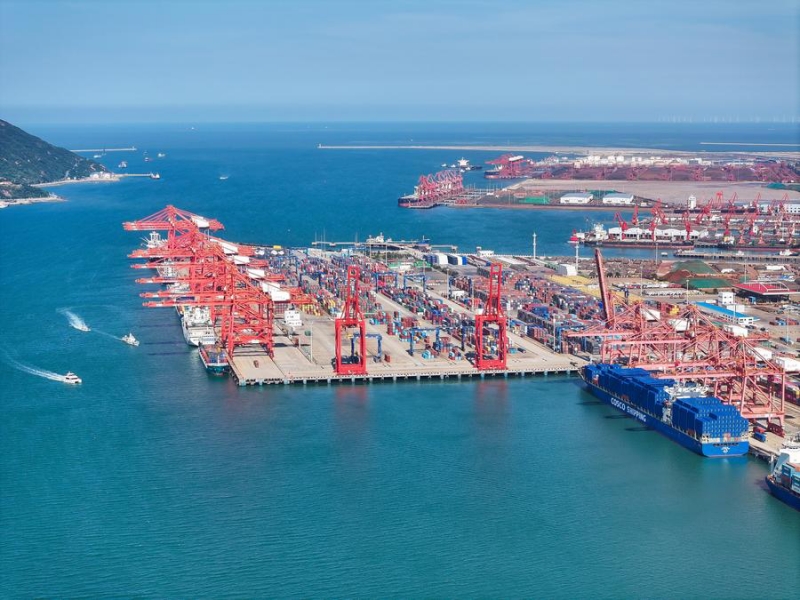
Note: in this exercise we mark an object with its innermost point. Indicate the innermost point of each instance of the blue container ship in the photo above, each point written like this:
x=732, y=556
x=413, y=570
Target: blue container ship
x=784, y=481
x=703, y=424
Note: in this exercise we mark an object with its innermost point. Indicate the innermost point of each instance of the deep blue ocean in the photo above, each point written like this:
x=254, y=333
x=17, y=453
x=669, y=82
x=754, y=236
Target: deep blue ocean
x=154, y=480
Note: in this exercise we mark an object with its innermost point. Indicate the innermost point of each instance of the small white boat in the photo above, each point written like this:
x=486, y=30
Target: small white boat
x=161, y=155
x=82, y=327
x=123, y=165
x=223, y=177
x=130, y=340
x=72, y=379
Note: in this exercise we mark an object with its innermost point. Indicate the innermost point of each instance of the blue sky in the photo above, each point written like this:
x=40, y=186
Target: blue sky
x=534, y=60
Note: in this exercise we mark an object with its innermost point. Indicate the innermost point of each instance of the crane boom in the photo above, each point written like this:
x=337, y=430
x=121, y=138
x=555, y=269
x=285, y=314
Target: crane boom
x=605, y=292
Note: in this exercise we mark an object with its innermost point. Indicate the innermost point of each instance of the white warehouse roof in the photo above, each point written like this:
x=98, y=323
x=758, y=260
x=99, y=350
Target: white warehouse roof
x=619, y=197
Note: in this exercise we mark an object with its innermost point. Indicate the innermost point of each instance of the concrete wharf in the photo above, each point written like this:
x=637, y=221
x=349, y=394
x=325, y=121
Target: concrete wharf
x=303, y=359
x=305, y=356
x=256, y=368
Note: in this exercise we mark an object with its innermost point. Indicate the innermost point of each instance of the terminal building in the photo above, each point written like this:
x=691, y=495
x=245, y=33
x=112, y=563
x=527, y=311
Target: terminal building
x=727, y=315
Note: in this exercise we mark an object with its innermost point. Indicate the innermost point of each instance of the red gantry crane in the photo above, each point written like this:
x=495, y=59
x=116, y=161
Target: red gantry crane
x=351, y=318
x=492, y=324
x=688, y=346
x=201, y=270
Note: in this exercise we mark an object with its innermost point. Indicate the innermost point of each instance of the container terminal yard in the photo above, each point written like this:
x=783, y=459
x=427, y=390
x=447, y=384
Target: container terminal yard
x=392, y=311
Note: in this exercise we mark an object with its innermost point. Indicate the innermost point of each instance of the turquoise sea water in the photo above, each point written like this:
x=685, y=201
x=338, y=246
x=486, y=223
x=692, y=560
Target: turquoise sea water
x=152, y=479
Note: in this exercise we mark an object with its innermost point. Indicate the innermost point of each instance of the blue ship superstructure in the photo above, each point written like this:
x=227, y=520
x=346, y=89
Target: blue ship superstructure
x=681, y=412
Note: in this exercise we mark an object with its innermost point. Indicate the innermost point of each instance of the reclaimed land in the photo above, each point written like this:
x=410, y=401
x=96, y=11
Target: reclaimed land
x=783, y=154
x=670, y=192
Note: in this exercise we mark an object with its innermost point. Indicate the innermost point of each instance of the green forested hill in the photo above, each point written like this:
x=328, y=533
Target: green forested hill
x=27, y=159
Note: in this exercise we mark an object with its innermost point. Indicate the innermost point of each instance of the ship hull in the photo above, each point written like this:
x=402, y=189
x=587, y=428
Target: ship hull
x=404, y=203
x=782, y=494
x=635, y=244
x=710, y=450
x=214, y=361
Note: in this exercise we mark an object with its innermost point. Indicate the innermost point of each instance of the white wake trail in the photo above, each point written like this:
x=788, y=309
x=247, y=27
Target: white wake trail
x=32, y=370
x=74, y=320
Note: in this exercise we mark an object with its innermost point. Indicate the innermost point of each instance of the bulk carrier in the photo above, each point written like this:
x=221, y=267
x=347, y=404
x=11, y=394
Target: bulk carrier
x=703, y=424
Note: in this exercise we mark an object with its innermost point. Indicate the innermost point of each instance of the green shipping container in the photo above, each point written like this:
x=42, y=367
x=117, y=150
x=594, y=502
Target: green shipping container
x=535, y=200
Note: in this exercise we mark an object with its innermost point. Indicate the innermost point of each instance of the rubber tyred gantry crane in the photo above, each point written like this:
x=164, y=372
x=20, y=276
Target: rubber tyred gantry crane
x=492, y=321
x=351, y=319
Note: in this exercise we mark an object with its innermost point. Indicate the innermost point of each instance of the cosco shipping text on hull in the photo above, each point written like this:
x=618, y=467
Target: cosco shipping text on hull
x=682, y=413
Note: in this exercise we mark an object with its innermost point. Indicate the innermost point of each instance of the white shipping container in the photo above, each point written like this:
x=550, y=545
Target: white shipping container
x=651, y=315
x=679, y=324
x=275, y=292
x=736, y=330
x=790, y=365
x=567, y=270
x=763, y=353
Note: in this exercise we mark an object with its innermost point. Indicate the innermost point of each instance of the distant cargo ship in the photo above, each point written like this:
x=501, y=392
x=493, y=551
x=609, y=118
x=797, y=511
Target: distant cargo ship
x=703, y=424
x=784, y=481
x=434, y=190
x=463, y=164
x=413, y=201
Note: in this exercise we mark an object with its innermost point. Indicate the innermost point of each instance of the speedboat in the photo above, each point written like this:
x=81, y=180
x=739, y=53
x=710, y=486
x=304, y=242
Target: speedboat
x=82, y=327
x=72, y=379
x=130, y=340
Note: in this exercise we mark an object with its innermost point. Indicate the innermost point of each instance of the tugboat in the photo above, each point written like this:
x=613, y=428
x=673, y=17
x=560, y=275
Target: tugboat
x=130, y=340
x=784, y=481
x=72, y=379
